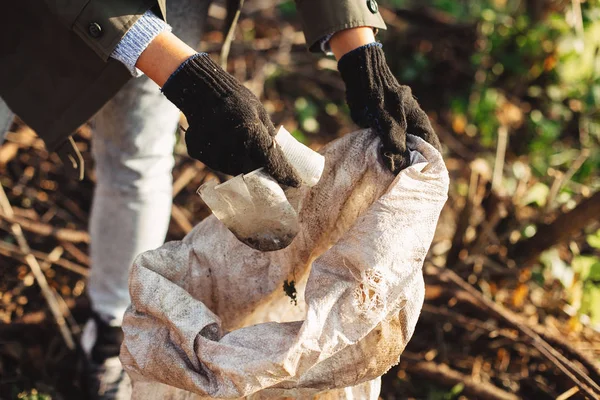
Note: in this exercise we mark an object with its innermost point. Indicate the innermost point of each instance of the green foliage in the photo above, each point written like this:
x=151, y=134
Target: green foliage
x=416, y=67
x=537, y=194
x=306, y=113
x=557, y=267
x=287, y=9
x=299, y=136
x=481, y=110
x=456, y=390
x=33, y=395
x=594, y=240
x=581, y=278
x=549, y=69
x=590, y=302
x=588, y=268
x=394, y=3
x=435, y=393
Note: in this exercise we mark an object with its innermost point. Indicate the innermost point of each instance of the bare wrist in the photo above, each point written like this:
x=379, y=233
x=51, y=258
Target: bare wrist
x=349, y=39
x=163, y=56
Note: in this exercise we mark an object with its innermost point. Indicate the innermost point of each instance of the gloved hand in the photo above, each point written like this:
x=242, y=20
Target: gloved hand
x=378, y=101
x=229, y=129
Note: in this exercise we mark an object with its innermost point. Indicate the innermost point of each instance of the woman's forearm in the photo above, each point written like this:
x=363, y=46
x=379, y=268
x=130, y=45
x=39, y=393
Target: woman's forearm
x=349, y=39
x=166, y=52
x=163, y=56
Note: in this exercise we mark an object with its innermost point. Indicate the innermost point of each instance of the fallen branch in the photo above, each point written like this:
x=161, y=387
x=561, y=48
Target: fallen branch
x=569, y=393
x=45, y=265
x=75, y=330
x=77, y=254
x=570, y=370
x=441, y=373
x=10, y=250
x=434, y=313
x=186, y=176
x=8, y=151
x=571, y=352
x=561, y=229
x=51, y=298
x=181, y=220
x=40, y=228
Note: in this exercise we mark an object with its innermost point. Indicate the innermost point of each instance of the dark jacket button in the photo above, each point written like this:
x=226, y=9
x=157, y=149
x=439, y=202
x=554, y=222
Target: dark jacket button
x=95, y=30
x=372, y=5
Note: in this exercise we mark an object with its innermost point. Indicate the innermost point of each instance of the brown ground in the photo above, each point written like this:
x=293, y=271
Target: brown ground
x=489, y=328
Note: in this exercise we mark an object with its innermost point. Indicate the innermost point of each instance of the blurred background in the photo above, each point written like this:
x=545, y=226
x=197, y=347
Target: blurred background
x=513, y=277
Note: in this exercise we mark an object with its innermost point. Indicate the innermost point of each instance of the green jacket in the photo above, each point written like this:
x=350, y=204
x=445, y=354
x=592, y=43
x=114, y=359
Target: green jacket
x=55, y=70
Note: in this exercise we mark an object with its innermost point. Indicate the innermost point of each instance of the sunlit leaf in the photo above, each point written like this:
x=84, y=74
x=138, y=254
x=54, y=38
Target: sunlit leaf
x=301, y=137
x=591, y=302
x=537, y=194
x=558, y=268
x=579, y=61
x=594, y=239
x=588, y=267
x=457, y=389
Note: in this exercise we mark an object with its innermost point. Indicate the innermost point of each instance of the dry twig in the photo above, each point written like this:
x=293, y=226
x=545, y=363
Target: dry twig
x=446, y=376
x=50, y=297
x=562, y=228
x=574, y=373
x=10, y=250
x=79, y=255
x=500, y=156
x=180, y=219
x=561, y=179
x=186, y=176
x=40, y=228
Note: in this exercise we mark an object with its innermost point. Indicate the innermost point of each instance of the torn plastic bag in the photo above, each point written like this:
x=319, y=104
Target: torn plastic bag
x=209, y=314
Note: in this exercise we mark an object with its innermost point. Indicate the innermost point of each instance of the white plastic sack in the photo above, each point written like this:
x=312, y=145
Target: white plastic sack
x=209, y=314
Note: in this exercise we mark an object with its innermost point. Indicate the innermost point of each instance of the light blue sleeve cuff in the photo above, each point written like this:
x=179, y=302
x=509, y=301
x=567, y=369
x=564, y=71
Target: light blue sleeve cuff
x=325, y=48
x=137, y=38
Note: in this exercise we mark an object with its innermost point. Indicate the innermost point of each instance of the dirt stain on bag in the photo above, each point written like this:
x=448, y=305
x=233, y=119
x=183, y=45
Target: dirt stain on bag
x=289, y=287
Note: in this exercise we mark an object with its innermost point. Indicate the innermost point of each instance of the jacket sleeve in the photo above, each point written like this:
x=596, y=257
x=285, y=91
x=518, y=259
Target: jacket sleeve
x=321, y=18
x=101, y=24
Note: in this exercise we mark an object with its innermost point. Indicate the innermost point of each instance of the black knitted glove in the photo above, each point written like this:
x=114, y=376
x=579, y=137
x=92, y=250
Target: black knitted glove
x=378, y=101
x=229, y=129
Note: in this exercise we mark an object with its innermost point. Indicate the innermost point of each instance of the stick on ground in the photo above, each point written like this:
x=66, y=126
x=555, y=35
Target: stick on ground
x=575, y=374
x=561, y=229
x=449, y=377
x=10, y=250
x=40, y=228
x=50, y=297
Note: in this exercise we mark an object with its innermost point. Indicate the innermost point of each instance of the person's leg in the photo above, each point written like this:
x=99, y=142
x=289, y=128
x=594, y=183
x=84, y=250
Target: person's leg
x=132, y=146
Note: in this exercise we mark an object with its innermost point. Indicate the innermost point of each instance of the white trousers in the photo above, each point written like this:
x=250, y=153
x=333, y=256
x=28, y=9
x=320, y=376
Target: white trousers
x=132, y=145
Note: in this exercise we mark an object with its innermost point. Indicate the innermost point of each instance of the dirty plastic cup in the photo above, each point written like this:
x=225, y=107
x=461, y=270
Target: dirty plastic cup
x=308, y=163
x=253, y=206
